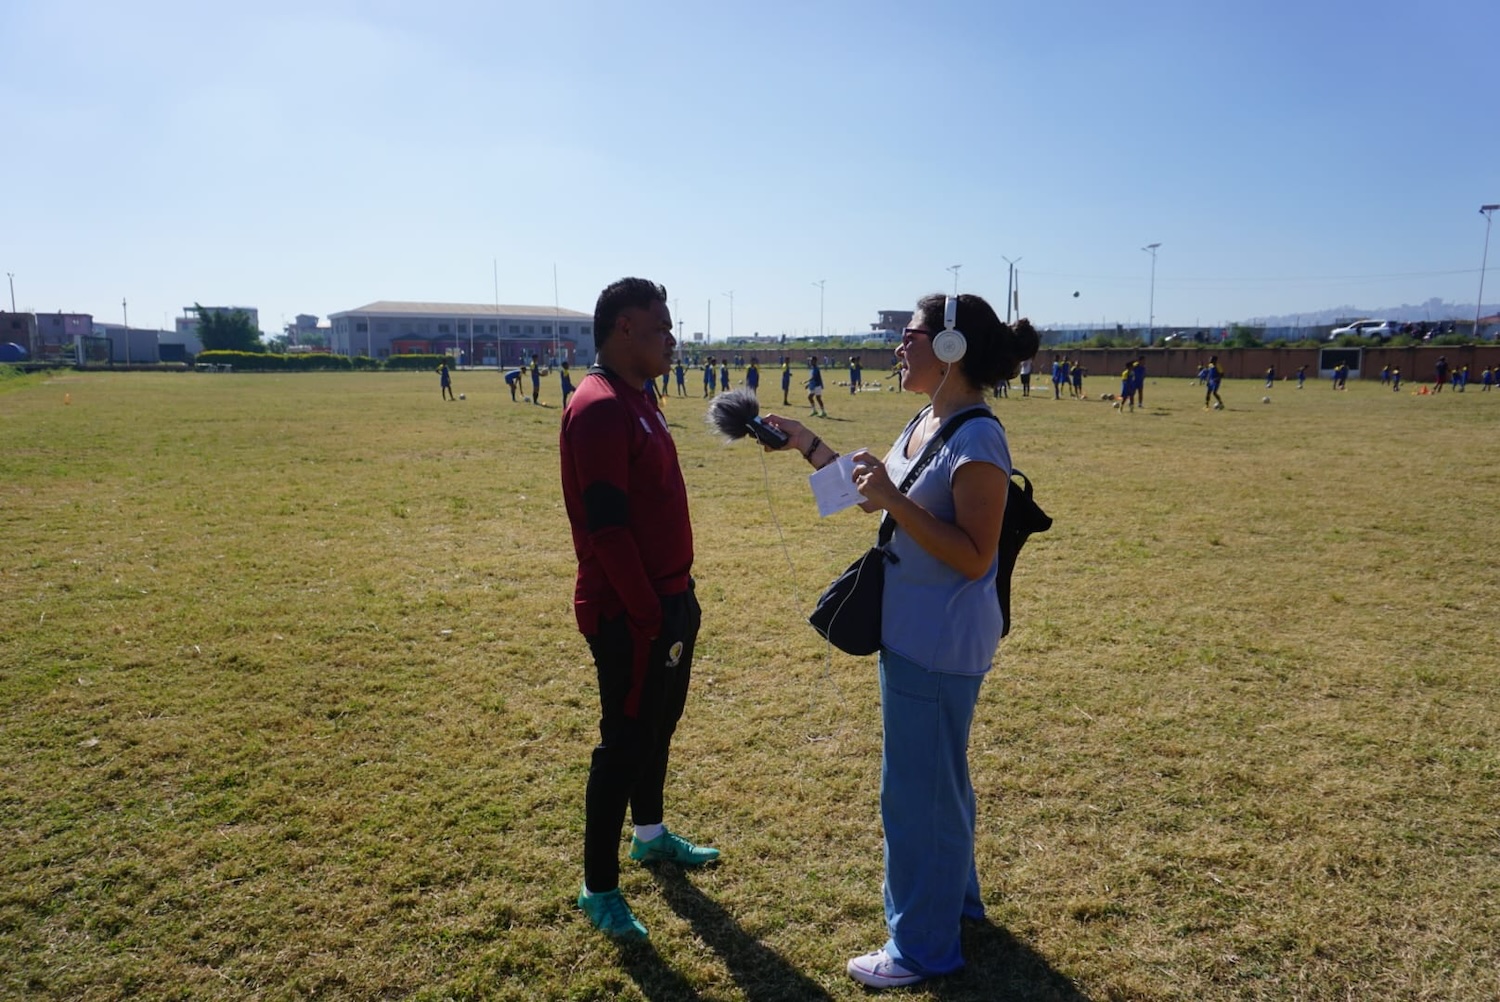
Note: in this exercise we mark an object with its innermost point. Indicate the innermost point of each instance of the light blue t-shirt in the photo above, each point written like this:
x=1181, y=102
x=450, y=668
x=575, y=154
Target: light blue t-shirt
x=930, y=613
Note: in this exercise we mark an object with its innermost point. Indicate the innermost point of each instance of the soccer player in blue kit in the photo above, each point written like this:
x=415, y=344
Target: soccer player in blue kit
x=1212, y=376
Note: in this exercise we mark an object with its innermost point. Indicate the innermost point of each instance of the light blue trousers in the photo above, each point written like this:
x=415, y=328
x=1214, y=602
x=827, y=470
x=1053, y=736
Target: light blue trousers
x=927, y=808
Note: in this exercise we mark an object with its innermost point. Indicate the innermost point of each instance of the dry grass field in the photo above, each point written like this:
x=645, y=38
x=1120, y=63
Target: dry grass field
x=292, y=704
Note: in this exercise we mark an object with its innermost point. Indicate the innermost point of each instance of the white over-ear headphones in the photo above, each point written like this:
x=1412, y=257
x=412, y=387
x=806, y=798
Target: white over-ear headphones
x=948, y=344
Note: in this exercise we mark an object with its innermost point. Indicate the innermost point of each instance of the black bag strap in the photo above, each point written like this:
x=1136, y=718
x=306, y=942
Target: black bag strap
x=929, y=451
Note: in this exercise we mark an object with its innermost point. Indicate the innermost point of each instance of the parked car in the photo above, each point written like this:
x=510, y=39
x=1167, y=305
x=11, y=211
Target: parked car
x=1181, y=339
x=1382, y=329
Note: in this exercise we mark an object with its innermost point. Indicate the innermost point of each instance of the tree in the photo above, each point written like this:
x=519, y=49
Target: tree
x=1241, y=336
x=226, y=330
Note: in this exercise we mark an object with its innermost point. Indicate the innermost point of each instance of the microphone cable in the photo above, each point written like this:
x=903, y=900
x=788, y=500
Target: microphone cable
x=786, y=550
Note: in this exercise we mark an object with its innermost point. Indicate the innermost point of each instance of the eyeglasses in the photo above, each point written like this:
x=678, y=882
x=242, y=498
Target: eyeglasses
x=911, y=332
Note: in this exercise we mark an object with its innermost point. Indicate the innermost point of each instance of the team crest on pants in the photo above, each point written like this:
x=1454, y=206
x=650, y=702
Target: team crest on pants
x=674, y=654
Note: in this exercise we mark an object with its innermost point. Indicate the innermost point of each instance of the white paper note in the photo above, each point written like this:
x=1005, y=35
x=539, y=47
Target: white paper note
x=833, y=485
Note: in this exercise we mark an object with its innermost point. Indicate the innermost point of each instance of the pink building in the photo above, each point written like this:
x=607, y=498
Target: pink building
x=55, y=334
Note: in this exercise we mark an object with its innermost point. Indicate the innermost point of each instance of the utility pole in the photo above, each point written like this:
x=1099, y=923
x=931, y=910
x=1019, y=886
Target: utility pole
x=31, y=332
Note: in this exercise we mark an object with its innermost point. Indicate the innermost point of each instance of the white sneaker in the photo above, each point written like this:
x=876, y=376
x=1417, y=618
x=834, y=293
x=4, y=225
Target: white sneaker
x=878, y=970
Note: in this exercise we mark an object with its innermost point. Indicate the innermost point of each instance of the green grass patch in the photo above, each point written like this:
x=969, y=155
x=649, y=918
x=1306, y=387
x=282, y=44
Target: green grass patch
x=292, y=704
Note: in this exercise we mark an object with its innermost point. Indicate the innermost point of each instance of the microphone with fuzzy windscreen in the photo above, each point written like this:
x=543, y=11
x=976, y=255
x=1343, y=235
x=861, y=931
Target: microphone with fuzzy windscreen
x=737, y=413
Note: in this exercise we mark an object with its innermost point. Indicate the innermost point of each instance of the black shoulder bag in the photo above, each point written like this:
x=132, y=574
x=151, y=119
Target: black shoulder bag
x=1023, y=516
x=848, y=612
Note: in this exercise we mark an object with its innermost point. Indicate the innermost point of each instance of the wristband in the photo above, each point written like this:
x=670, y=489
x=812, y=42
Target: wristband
x=808, y=455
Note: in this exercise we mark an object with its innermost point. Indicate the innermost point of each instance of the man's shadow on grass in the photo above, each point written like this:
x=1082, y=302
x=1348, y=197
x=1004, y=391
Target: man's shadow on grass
x=759, y=971
x=653, y=976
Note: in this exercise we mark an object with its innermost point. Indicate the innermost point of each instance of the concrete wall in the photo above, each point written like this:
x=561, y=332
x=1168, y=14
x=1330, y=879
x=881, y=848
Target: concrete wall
x=135, y=346
x=1415, y=363
x=1236, y=363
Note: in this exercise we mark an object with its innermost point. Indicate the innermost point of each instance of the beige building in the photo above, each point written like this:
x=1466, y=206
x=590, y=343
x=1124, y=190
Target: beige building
x=476, y=333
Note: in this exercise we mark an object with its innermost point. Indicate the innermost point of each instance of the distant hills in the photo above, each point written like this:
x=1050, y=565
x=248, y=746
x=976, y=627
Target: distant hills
x=1434, y=309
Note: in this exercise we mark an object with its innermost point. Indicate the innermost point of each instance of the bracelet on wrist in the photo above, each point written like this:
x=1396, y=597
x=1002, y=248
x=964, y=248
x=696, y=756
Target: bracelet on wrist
x=812, y=451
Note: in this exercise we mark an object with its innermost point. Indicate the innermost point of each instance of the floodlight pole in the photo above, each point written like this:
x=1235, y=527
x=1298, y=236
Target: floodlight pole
x=1010, y=284
x=1484, y=210
x=1151, y=310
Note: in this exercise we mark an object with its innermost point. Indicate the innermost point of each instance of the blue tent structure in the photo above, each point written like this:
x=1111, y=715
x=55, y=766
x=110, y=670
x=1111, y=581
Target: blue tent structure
x=12, y=352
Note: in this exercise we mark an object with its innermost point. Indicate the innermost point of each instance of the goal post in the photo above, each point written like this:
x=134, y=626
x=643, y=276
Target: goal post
x=1328, y=358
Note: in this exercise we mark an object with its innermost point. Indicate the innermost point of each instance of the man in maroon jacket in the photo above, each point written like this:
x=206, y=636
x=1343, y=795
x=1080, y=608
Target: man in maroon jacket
x=633, y=600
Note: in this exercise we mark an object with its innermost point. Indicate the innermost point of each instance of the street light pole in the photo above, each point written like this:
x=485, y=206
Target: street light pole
x=1151, y=310
x=1010, y=285
x=1484, y=210
x=954, y=268
x=820, y=283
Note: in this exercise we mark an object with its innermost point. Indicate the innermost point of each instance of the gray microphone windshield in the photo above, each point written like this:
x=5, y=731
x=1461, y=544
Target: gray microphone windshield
x=730, y=413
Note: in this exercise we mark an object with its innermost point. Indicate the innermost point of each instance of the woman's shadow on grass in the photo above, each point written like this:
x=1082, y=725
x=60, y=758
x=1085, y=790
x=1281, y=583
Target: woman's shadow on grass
x=759, y=971
x=998, y=965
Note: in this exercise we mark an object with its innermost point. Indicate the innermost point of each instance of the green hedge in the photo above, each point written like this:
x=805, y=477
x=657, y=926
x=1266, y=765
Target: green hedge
x=426, y=363
x=247, y=361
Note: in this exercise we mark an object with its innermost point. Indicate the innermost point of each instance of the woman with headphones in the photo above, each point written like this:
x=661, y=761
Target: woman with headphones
x=940, y=621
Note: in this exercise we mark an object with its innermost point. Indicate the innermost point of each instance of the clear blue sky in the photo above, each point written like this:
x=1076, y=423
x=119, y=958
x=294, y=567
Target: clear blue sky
x=313, y=156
